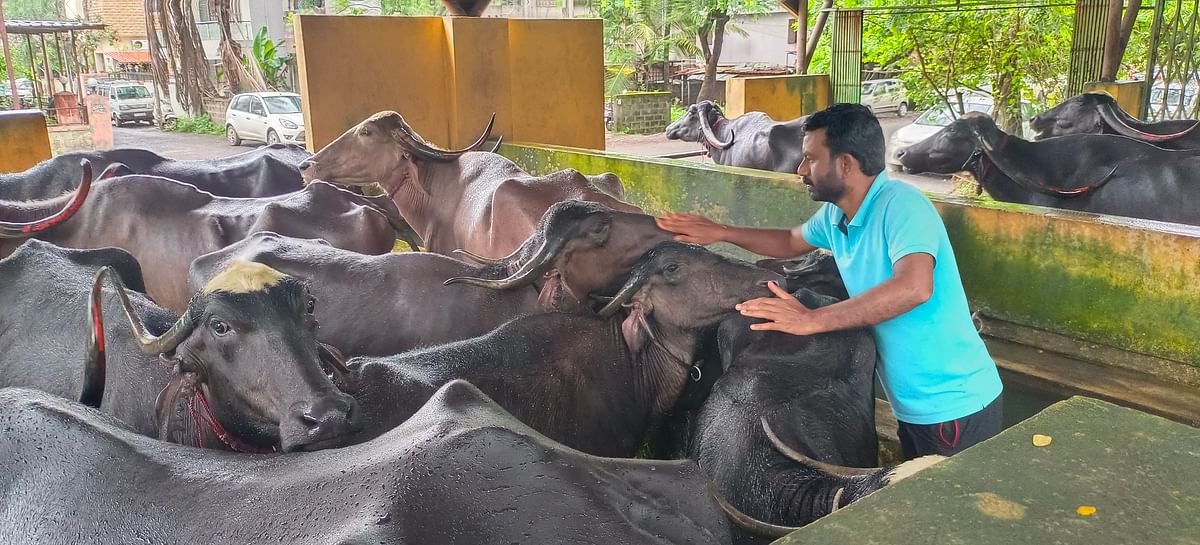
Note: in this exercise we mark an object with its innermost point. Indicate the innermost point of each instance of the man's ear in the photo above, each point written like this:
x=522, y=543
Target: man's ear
x=847, y=164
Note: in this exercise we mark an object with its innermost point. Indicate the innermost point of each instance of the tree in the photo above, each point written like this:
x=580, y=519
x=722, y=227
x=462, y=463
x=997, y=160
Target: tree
x=1118, y=29
x=642, y=33
x=240, y=77
x=711, y=35
x=186, y=55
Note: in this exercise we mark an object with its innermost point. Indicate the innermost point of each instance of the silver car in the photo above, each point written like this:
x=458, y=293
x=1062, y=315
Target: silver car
x=130, y=101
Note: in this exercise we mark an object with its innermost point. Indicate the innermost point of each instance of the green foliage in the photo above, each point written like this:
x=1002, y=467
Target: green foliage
x=677, y=111
x=30, y=10
x=413, y=7
x=198, y=125
x=270, y=63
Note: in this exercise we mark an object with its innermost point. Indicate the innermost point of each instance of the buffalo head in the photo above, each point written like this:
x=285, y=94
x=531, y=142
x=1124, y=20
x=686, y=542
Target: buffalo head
x=1077, y=115
x=579, y=247
x=381, y=149
x=951, y=149
x=697, y=125
x=243, y=360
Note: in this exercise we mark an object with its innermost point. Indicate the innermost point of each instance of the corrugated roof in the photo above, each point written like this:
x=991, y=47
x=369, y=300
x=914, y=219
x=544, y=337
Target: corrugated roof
x=44, y=27
x=129, y=57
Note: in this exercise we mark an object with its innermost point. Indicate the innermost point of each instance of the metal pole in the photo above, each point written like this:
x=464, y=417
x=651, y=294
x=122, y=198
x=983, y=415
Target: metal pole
x=1152, y=58
x=8, y=62
x=801, y=37
x=32, y=63
x=49, y=75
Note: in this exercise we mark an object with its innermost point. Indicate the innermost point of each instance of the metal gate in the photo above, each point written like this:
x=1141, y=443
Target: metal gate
x=845, y=70
x=1087, y=44
x=1174, y=62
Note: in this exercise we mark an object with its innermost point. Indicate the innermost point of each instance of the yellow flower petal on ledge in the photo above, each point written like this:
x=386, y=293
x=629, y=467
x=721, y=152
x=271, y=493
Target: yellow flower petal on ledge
x=1086, y=510
x=1041, y=440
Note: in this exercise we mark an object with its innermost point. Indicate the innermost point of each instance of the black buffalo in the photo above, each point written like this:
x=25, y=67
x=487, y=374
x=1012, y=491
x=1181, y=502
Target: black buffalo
x=1095, y=173
x=377, y=305
x=239, y=370
x=591, y=382
x=1099, y=113
x=752, y=140
x=579, y=247
x=816, y=393
x=460, y=471
x=261, y=172
x=166, y=224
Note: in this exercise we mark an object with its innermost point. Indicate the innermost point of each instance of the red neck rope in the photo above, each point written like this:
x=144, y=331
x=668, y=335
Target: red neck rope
x=205, y=416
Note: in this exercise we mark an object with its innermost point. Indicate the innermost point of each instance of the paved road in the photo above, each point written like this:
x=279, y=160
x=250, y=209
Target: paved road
x=176, y=145
x=198, y=146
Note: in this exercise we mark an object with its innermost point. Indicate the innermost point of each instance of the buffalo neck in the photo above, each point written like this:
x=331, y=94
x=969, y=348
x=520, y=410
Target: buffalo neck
x=661, y=368
x=723, y=129
x=413, y=199
x=1000, y=186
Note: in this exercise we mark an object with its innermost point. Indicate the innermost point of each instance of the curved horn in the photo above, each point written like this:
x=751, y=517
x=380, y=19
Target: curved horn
x=96, y=362
x=420, y=147
x=497, y=146
x=746, y=522
x=485, y=260
x=710, y=137
x=794, y=455
x=1118, y=124
x=21, y=230
x=538, y=264
x=150, y=344
x=623, y=296
x=334, y=357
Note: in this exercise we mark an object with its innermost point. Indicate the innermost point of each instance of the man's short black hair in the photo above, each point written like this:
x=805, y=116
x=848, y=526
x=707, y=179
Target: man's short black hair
x=852, y=129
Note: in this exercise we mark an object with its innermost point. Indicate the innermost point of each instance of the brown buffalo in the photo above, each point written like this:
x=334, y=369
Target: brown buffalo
x=166, y=224
x=476, y=201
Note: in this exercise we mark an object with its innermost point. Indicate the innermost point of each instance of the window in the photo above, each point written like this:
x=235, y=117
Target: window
x=132, y=91
x=283, y=105
x=240, y=103
x=792, y=24
x=256, y=106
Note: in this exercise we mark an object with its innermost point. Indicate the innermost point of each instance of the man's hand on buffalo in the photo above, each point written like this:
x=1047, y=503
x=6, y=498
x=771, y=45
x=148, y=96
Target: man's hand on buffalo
x=692, y=228
x=782, y=312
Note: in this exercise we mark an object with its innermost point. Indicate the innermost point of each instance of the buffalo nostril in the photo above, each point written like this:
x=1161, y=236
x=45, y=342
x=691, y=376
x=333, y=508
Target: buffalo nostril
x=304, y=165
x=901, y=153
x=309, y=420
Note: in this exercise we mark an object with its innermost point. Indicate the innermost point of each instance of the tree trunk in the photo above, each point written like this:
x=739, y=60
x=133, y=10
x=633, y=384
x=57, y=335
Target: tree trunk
x=1008, y=87
x=814, y=35
x=158, y=58
x=715, y=22
x=240, y=79
x=191, y=70
x=1116, y=36
x=802, y=37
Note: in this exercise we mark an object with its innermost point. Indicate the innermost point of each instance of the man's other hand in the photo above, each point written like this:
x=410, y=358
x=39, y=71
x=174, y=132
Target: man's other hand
x=782, y=312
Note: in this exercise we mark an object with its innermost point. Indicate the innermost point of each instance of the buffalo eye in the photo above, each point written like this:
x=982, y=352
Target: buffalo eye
x=672, y=268
x=219, y=328
x=312, y=305
x=364, y=132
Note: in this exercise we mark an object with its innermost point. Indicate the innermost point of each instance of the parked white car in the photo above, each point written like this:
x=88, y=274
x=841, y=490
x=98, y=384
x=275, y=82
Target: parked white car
x=265, y=117
x=130, y=101
x=934, y=119
x=885, y=95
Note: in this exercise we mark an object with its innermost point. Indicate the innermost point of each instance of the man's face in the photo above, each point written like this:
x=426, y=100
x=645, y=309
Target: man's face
x=819, y=170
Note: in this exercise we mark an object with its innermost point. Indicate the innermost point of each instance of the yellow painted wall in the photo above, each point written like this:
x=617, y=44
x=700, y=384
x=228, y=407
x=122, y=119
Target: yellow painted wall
x=780, y=97
x=352, y=67
x=481, y=77
x=1127, y=93
x=24, y=140
x=558, y=81
x=544, y=79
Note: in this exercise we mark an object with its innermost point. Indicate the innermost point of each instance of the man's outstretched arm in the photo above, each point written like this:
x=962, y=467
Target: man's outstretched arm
x=697, y=229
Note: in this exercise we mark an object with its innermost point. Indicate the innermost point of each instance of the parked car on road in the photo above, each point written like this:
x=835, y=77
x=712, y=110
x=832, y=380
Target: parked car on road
x=130, y=101
x=885, y=95
x=934, y=119
x=1180, y=102
x=265, y=117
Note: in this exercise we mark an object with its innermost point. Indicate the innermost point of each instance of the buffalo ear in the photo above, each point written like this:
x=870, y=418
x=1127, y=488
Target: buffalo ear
x=635, y=330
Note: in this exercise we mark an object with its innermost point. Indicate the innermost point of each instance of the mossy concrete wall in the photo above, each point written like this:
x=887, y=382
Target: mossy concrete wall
x=1129, y=284
x=24, y=140
x=544, y=79
x=781, y=97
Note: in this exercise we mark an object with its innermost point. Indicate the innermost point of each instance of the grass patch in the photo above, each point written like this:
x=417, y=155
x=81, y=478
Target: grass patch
x=198, y=125
x=677, y=111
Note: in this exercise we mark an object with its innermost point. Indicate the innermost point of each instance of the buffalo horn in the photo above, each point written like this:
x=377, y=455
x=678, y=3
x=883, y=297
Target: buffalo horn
x=710, y=136
x=420, y=147
x=485, y=260
x=150, y=344
x=21, y=230
x=1117, y=123
x=746, y=522
x=623, y=296
x=835, y=470
x=529, y=272
x=497, y=146
x=95, y=364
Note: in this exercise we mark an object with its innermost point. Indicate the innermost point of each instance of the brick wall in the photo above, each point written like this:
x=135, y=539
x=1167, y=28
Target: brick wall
x=642, y=113
x=216, y=108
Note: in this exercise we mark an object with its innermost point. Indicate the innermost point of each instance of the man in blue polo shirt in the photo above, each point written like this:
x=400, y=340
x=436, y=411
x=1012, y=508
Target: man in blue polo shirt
x=895, y=258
